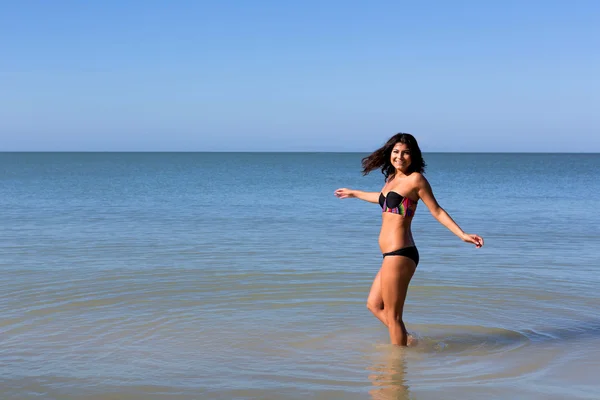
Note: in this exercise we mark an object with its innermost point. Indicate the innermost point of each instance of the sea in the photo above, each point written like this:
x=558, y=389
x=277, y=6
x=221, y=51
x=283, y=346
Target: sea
x=241, y=276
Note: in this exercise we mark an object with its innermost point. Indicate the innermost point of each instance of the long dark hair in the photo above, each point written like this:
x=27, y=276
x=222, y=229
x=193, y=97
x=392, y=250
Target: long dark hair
x=380, y=158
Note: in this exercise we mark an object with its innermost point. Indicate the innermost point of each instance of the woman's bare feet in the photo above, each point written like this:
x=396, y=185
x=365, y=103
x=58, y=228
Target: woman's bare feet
x=411, y=341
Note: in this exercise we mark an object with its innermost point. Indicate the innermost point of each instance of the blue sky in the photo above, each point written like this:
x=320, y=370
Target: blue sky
x=299, y=76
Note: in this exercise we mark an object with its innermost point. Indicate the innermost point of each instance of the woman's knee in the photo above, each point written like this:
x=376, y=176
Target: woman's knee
x=374, y=306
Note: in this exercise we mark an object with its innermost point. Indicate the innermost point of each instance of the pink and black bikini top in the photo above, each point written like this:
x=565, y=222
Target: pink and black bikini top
x=397, y=204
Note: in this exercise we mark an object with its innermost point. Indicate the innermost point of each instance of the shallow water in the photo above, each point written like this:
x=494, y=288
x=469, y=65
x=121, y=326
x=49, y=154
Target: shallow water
x=195, y=275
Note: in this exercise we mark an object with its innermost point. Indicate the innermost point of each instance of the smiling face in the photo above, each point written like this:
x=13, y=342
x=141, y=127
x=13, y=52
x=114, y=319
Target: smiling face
x=400, y=157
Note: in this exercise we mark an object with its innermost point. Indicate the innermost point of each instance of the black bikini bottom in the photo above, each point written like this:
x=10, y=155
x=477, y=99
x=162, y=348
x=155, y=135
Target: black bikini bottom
x=410, y=252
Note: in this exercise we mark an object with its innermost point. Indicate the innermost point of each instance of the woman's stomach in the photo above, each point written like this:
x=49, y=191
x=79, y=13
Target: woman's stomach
x=395, y=233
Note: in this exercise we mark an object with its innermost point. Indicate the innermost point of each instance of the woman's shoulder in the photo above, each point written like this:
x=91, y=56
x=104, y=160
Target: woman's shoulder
x=417, y=177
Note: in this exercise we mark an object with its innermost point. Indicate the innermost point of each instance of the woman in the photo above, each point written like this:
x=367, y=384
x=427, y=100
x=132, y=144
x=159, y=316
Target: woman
x=402, y=165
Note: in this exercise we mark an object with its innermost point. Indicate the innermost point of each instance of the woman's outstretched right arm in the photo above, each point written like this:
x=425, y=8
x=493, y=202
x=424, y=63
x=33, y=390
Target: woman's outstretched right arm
x=344, y=193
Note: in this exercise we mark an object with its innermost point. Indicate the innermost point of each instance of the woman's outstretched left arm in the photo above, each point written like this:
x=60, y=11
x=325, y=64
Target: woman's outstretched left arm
x=426, y=194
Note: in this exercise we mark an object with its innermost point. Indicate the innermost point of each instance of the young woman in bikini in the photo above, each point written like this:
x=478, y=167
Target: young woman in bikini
x=402, y=164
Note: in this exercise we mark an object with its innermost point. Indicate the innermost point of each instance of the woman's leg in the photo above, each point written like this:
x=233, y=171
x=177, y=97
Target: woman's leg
x=375, y=301
x=396, y=273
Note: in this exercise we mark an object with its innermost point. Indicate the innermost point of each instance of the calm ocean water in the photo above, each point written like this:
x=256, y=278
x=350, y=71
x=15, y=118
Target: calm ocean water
x=241, y=276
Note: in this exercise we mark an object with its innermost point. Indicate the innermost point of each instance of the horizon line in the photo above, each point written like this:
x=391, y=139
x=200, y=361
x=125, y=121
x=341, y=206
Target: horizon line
x=289, y=151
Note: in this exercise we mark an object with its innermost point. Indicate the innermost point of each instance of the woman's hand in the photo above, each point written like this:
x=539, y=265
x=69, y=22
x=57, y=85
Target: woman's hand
x=471, y=238
x=344, y=193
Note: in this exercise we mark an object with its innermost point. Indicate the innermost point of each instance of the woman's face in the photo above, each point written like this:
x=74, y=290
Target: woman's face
x=400, y=157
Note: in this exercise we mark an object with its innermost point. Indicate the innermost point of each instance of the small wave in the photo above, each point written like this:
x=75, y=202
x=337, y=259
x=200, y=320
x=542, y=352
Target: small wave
x=470, y=340
x=579, y=330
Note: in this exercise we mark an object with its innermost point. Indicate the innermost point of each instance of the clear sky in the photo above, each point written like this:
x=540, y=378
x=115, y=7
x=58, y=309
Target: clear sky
x=304, y=75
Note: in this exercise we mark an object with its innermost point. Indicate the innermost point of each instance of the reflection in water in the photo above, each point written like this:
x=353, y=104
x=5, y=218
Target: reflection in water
x=387, y=375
